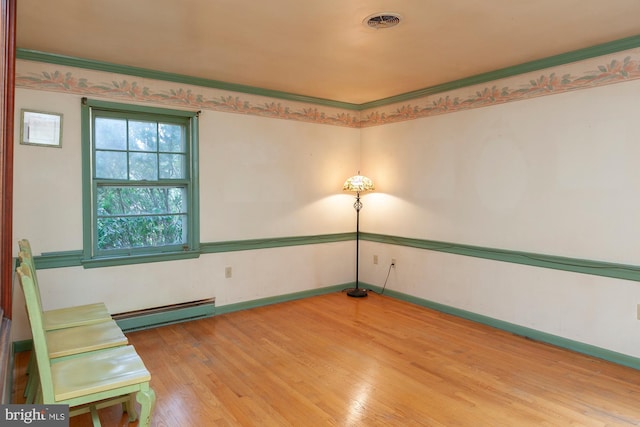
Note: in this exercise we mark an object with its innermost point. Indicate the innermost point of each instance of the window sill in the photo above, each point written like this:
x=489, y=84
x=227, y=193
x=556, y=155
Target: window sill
x=138, y=259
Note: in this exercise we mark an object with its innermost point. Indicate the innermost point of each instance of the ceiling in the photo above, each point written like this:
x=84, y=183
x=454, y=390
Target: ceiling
x=321, y=48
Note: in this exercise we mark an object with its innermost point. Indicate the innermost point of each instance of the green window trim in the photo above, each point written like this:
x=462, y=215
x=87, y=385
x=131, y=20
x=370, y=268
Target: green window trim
x=92, y=255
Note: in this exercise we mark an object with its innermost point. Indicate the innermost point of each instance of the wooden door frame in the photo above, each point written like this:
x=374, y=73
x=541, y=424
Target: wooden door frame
x=7, y=70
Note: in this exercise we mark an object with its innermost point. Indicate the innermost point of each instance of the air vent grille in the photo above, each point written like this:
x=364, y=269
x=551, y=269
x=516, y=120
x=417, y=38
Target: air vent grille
x=379, y=21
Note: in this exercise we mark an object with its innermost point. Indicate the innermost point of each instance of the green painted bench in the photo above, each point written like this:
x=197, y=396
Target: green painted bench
x=91, y=380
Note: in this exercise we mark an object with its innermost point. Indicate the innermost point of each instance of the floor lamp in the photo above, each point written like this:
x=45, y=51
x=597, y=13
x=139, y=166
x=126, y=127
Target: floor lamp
x=358, y=184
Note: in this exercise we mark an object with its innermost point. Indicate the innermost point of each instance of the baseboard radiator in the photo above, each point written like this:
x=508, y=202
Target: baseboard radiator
x=166, y=315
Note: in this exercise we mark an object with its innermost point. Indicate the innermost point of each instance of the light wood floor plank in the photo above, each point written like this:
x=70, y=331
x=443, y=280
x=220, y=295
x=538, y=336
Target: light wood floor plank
x=332, y=360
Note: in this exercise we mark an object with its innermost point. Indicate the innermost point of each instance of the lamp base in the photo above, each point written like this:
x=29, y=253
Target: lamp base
x=357, y=292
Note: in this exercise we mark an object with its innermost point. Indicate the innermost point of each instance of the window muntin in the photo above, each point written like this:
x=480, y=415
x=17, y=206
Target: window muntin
x=141, y=191
x=138, y=217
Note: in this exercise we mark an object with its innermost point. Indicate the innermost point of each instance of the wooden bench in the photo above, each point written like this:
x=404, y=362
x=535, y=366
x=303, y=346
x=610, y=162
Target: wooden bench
x=89, y=380
x=76, y=338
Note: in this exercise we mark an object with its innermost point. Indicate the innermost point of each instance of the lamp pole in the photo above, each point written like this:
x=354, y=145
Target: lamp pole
x=358, y=184
x=357, y=292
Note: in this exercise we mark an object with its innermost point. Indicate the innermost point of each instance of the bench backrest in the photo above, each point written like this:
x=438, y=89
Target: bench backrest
x=25, y=246
x=26, y=259
x=34, y=311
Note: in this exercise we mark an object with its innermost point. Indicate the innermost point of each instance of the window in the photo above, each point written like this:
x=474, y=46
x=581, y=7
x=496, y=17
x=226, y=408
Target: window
x=140, y=182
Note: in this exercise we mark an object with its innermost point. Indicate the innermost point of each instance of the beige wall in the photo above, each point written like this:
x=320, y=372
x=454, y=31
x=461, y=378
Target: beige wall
x=259, y=178
x=552, y=175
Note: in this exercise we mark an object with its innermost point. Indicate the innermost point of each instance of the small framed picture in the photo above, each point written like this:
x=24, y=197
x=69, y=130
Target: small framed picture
x=41, y=128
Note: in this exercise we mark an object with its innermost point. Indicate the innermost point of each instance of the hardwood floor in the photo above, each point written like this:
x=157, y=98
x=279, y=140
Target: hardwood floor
x=332, y=360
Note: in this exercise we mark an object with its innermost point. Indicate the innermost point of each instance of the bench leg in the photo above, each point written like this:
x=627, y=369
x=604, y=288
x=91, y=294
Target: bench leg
x=147, y=399
x=30, y=366
x=129, y=407
x=94, y=416
x=33, y=384
x=38, y=399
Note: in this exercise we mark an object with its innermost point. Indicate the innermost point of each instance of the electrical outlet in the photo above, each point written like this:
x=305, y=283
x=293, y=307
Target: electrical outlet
x=375, y=259
x=393, y=262
x=638, y=311
x=228, y=272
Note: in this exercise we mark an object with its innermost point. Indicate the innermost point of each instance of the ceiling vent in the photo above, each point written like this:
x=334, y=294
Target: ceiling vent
x=380, y=21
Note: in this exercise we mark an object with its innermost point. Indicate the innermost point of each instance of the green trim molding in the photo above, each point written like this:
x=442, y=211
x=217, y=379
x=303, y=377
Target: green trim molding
x=277, y=242
x=51, y=58
x=137, y=259
x=561, y=59
x=552, y=61
x=75, y=258
x=22, y=345
x=230, y=308
x=576, y=265
x=579, y=347
x=58, y=259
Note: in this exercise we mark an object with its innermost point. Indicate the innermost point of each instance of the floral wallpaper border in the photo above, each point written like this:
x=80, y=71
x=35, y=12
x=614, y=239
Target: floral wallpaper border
x=604, y=70
x=123, y=88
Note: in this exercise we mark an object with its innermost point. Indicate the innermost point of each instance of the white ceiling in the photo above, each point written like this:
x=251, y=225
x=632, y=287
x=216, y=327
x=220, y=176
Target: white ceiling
x=320, y=48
